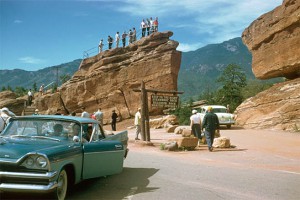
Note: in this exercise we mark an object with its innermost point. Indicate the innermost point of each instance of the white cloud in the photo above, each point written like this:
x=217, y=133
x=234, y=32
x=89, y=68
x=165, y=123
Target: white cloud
x=17, y=21
x=31, y=60
x=212, y=19
x=188, y=47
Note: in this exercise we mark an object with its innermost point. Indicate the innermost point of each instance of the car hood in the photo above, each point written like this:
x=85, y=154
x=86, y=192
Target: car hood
x=17, y=148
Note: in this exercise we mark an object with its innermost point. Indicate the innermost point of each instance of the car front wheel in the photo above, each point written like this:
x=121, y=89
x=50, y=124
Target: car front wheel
x=228, y=126
x=62, y=185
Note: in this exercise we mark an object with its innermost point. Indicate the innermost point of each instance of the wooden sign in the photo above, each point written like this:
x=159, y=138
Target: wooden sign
x=164, y=101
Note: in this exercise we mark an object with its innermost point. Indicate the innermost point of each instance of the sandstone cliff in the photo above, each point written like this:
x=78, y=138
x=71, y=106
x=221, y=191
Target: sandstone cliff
x=107, y=80
x=274, y=40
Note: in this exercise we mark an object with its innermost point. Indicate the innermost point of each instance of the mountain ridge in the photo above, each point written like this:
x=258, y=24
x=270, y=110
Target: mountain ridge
x=198, y=70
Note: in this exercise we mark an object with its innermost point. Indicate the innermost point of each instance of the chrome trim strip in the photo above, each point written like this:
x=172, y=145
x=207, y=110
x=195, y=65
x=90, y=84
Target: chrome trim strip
x=11, y=187
x=102, y=152
x=47, y=175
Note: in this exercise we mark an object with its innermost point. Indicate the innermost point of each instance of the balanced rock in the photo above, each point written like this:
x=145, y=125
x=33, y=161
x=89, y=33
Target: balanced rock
x=274, y=40
x=108, y=80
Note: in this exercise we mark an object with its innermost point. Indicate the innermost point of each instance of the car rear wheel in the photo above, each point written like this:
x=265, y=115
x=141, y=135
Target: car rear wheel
x=62, y=185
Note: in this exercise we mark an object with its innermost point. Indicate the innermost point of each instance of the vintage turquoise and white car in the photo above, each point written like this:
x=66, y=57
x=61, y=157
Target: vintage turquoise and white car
x=224, y=117
x=47, y=153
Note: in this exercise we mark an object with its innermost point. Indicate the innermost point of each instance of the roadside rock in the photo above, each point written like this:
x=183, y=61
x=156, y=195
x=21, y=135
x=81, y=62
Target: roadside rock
x=277, y=108
x=221, y=142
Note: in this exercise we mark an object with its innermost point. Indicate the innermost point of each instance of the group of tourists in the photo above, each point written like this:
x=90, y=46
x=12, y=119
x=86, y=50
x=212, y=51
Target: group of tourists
x=147, y=26
x=98, y=115
x=210, y=123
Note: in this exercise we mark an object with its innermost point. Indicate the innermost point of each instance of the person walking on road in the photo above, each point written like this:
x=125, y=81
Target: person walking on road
x=196, y=125
x=137, y=123
x=211, y=124
x=114, y=117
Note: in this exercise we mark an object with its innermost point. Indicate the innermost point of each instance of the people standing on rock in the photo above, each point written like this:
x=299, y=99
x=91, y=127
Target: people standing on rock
x=210, y=124
x=117, y=39
x=124, y=35
x=137, y=123
x=110, y=42
x=151, y=25
x=133, y=34
x=41, y=90
x=114, y=117
x=143, y=27
x=130, y=36
x=148, y=25
x=196, y=125
x=100, y=46
x=99, y=116
x=5, y=115
x=155, y=25
x=30, y=97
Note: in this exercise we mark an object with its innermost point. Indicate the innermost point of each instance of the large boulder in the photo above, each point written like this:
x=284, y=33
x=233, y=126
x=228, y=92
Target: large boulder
x=10, y=100
x=107, y=80
x=277, y=108
x=274, y=40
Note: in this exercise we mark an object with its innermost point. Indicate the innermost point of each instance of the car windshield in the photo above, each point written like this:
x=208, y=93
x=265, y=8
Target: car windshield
x=219, y=110
x=42, y=128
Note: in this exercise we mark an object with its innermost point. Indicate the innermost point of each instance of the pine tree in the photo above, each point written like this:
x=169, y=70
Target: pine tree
x=233, y=80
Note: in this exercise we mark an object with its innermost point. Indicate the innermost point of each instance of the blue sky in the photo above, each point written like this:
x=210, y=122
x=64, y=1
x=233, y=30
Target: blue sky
x=35, y=34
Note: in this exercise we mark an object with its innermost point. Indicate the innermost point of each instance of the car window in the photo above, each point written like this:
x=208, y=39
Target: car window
x=38, y=127
x=92, y=132
x=219, y=110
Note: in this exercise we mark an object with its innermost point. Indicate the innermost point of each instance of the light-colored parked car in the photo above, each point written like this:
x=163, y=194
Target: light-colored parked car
x=224, y=117
x=49, y=153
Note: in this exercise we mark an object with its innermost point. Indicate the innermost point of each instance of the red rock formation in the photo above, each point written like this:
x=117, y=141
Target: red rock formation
x=107, y=80
x=274, y=40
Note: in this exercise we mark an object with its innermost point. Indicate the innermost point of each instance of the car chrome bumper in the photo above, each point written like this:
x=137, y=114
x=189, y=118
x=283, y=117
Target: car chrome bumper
x=22, y=183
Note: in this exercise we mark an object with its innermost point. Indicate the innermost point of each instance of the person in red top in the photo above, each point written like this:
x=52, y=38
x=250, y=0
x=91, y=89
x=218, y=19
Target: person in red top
x=155, y=25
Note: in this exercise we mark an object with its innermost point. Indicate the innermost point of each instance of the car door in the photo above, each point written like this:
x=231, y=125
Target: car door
x=101, y=158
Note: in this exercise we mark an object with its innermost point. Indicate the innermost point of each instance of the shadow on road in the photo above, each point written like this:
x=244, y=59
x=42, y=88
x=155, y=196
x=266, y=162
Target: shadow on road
x=120, y=186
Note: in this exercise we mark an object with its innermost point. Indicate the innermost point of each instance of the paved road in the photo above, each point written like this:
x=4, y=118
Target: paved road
x=264, y=165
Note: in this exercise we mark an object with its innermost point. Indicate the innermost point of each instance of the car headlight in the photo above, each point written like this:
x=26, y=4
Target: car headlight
x=29, y=162
x=41, y=162
x=36, y=161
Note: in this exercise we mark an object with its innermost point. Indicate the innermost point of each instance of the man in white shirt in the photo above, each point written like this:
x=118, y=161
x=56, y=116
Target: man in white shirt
x=99, y=116
x=137, y=123
x=117, y=37
x=143, y=27
x=29, y=97
x=196, y=125
x=100, y=47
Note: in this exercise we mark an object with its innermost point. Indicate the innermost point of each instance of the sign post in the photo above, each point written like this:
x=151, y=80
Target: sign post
x=166, y=101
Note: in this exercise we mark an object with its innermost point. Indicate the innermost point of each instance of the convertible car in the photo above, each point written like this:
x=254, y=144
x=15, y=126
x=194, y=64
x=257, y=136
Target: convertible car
x=47, y=154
